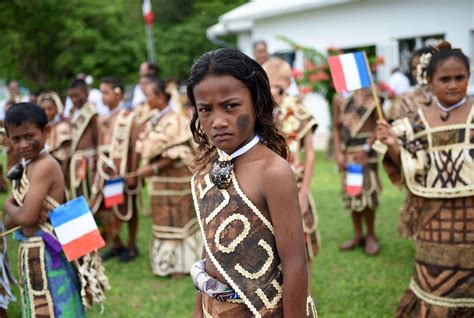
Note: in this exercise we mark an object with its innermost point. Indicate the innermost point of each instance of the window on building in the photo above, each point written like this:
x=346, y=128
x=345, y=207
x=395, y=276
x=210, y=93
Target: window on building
x=407, y=46
x=288, y=56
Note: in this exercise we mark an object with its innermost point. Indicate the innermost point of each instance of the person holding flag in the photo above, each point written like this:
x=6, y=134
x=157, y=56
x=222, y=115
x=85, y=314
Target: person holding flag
x=431, y=153
x=354, y=125
x=113, y=198
x=49, y=284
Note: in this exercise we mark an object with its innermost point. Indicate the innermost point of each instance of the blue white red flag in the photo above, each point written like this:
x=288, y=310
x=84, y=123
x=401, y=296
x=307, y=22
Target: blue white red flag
x=349, y=71
x=114, y=192
x=76, y=229
x=354, y=179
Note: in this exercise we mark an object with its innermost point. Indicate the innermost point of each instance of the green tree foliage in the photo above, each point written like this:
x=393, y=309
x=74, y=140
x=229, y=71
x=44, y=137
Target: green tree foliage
x=181, y=39
x=46, y=42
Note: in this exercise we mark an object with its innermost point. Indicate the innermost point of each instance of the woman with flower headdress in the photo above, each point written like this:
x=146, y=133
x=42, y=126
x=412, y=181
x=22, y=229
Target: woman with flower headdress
x=432, y=153
x=59, y=140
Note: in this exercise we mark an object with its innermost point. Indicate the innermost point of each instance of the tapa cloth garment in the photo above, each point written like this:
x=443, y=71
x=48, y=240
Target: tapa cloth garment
x=176, y=243
x=240, y=243
x=357, y=122
x=436, y=161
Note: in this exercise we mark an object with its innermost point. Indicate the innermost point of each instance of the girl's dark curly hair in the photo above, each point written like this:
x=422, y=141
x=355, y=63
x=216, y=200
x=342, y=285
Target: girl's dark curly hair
x=238, y=65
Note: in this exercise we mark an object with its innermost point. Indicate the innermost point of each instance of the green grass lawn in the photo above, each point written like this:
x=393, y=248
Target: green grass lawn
x=346, y=284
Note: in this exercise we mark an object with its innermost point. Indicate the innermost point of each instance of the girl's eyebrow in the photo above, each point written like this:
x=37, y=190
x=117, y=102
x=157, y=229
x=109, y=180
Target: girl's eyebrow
x=202, y=104
x=230, y=99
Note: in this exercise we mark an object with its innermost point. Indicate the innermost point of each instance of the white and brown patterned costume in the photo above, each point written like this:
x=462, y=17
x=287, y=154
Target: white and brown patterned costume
x=142, y=113
x=408, y=104
x=438, y=170
x=240, y=242
x=113, y=161
x=295, y=122
x=176, y=243
x=357, y=122
x=82, y=163
x=59, y=143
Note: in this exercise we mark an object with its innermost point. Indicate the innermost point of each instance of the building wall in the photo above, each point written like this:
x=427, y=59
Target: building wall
x=381, y=23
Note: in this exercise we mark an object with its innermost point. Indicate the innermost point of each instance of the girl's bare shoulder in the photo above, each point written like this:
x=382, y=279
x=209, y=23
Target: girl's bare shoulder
x=47, y=165
x=275, y=167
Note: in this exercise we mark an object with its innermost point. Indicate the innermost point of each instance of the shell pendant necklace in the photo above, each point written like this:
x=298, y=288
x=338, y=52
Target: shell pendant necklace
x=222, y=169
x=447, y=110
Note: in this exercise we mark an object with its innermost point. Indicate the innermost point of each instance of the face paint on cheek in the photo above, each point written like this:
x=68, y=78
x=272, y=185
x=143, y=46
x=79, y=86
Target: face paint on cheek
x=35, y=145
x=243, y=122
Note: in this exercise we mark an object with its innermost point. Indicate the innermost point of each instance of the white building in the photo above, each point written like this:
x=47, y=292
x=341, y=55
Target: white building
x=393, y=28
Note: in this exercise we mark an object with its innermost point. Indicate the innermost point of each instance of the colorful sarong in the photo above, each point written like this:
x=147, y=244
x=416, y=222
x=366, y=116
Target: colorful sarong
x=49, y=283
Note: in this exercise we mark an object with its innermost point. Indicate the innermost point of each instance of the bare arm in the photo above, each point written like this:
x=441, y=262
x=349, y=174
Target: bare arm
x=95, y=130
x=308, y=162
x=133, y=155
x=147, y=170
x=197, y=312
x=386, y=135
x=283, y=205
x=40, y=185
x=9, y=224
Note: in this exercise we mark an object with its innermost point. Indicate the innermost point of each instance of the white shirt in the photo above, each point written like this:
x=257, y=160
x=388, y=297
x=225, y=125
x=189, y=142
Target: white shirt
x=138, y=96
x=399, y=83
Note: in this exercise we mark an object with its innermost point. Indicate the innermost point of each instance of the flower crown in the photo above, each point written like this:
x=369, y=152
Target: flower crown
x=421, y=68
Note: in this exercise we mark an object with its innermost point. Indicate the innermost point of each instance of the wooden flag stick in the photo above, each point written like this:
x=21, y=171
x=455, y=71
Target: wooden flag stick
x=131, y=175
x=374, y=91
x=10, y=231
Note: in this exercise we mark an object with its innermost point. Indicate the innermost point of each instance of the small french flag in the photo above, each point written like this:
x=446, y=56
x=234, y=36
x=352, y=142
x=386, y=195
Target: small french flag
x=349, y=71
x=354, y=179
x=76, y=229
x=148, y=15
x=114, y=192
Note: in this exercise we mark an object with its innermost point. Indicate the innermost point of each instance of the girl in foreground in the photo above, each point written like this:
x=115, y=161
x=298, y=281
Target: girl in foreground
x=244, y=192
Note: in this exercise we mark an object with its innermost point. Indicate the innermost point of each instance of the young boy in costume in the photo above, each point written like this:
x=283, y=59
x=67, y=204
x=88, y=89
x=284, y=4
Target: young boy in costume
x=166, y=152
x=297, y=126
x=353, y=134
x=59, y=140
x=254, y=262
x=116, y=157
x=432, y=154
x=84, y=140
x=49, y=284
